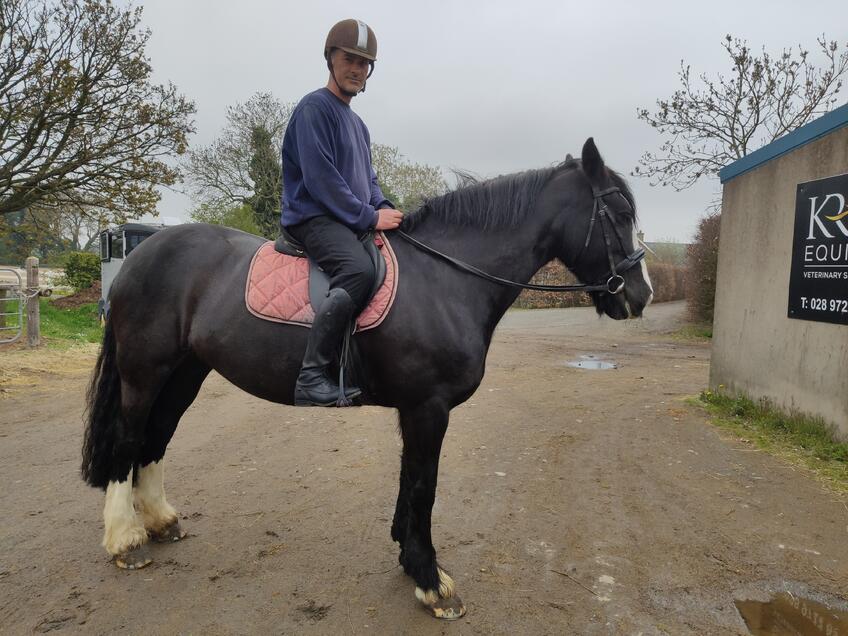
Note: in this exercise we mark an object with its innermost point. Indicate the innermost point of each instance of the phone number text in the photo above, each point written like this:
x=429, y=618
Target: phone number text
x=836, y=305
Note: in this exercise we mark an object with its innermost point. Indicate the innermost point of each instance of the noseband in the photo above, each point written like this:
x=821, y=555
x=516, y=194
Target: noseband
x=615, y=281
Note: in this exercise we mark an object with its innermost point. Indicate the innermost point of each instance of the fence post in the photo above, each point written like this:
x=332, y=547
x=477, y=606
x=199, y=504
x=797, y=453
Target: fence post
x=33, y=310
x=2, y=306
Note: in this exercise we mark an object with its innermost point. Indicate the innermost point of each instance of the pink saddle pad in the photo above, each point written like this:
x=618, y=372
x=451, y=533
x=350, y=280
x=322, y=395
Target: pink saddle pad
x=278, y=288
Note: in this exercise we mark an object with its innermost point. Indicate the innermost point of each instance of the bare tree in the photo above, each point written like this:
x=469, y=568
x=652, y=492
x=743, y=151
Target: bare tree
x=715, y=121
x=80, y=122
x=219, y=174
x=80, y=227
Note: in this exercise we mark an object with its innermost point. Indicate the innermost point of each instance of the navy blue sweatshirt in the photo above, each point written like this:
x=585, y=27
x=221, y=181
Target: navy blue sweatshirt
x=327, y=165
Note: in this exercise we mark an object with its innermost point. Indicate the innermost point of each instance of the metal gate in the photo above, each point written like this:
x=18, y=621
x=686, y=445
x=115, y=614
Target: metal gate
x=11, y=306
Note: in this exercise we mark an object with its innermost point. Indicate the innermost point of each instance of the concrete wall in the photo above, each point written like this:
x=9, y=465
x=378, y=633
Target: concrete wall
x=757, y=350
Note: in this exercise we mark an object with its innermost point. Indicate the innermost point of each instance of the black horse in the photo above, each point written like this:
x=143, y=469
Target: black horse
x=177, y=312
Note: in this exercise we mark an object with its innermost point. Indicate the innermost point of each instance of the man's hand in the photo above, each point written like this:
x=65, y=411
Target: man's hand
x=388, y=219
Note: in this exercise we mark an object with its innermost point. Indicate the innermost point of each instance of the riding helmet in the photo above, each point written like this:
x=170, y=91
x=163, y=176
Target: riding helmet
x=352, y=36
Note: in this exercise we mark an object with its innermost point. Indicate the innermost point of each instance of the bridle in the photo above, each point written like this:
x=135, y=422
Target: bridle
x=600, y=209
x=615, y=281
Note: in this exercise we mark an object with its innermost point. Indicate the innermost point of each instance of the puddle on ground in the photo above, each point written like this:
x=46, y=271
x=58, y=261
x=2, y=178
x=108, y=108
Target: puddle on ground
x=591, y=362
x=792, y=615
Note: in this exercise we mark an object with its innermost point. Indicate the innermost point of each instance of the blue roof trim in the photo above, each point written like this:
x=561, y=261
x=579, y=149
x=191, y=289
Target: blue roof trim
x=820, y=127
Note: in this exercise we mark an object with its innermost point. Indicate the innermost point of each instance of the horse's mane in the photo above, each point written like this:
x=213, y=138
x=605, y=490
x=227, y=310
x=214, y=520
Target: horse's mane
x=501, y=202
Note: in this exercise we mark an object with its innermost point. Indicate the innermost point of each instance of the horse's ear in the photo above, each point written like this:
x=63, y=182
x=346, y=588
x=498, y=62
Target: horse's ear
x=593, y=165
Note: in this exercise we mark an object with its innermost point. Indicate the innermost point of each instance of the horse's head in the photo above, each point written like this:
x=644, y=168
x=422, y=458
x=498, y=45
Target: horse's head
x=600, y=244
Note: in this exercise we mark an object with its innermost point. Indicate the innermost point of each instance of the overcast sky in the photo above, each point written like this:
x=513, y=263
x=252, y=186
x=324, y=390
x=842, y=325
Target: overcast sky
x=487, y=86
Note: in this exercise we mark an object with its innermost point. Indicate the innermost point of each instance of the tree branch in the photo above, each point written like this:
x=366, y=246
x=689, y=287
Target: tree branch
x=719, y=121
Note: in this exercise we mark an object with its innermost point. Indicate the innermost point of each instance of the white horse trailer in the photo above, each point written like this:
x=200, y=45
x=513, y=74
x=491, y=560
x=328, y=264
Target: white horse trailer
x=115, y=245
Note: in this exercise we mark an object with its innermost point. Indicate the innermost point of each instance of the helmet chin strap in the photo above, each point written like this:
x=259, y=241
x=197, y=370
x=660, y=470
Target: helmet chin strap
x=341, y=90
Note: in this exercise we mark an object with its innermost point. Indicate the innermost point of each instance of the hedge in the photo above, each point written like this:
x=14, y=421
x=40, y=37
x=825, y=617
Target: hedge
x=701, y=266
x=666, y=279
x=82, y=269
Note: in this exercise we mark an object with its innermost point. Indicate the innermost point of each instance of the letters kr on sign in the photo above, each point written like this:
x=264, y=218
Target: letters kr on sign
x=818, y=282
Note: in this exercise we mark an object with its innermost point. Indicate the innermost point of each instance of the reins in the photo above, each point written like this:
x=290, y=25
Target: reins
x=613, y=285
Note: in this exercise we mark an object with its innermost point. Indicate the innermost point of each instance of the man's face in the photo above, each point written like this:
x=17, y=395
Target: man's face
x=350, y=70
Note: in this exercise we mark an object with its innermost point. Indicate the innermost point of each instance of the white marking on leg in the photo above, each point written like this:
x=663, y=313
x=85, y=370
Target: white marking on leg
x=447, y=588
x=446, y=584
x=156, y=513
x=123, y=530
x=428, y=598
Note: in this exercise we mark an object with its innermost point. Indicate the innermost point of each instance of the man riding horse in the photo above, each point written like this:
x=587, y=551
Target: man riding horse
x=330, y=195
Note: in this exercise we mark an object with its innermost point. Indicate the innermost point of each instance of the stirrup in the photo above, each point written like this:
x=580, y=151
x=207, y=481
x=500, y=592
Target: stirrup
x=302, y=398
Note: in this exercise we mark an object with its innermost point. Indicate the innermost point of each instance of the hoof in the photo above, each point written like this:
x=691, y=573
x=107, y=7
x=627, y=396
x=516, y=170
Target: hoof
x=170, y=534
x=134, y=559
x=448, y=609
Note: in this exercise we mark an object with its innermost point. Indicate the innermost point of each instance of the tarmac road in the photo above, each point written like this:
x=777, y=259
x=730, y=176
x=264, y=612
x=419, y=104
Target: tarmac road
x=570, y=501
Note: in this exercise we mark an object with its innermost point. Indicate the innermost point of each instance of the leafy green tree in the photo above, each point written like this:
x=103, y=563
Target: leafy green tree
x=409, y=184
x=240, y=217
x=31, y=232
x=82, y=269
x=81, y=122
x=266, y=174
x=390, y=194
x=710, y=122
x=219, y=174
x=242, y=166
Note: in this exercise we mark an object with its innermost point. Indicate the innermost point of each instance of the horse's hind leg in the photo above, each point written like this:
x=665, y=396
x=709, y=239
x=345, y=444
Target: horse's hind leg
x=158, y=516
x=124, y=536
x=423, y=429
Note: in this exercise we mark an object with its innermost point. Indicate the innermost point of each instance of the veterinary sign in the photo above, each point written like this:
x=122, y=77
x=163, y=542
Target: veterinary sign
x=818, y=283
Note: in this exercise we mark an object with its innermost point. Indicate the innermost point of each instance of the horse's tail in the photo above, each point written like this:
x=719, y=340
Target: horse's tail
x=103, y=414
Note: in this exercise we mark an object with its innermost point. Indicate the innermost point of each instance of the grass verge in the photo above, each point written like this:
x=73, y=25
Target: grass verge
x=798, y=439
x=70, y=339
x=695, y=332
x=65, y=327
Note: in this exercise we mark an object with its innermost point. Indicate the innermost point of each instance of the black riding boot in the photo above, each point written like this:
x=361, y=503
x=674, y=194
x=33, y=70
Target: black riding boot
x=314, y=386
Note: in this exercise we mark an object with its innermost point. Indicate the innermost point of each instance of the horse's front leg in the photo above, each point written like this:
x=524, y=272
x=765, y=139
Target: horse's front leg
x=423, y=429
x=401, y=518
